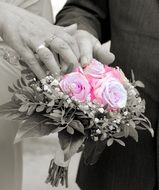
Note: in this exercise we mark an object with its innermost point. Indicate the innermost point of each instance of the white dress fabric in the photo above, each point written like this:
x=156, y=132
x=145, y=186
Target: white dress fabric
x=10, y=153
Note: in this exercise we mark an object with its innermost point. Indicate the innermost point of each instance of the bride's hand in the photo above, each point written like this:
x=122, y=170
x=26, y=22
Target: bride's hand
x=27, y=33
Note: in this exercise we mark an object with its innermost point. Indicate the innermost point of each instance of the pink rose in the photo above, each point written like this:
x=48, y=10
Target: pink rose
x=76, y=85
x=110, y=91
x=94, y=70
x=116, y=73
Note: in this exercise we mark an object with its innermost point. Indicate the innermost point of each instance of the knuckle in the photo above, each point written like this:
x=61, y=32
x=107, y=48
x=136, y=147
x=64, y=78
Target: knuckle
x=63, y=46
x=30, y=60
x=47, y=56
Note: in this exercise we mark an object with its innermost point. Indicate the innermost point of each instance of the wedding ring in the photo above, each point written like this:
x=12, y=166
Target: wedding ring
x=40, y=47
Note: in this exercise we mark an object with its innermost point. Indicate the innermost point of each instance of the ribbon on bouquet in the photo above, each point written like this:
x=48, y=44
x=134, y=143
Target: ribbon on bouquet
x=58, y=170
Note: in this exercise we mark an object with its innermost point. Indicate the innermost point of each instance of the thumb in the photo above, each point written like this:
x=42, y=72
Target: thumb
x=71, y=29
x=103, y=54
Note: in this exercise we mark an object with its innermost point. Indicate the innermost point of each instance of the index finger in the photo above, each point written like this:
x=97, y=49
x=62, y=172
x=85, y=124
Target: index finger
x=103, y=54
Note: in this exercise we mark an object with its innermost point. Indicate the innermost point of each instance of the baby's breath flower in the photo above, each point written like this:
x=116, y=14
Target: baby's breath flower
x=125, y=113
x=57, y=89
x=69, y=100
x=46, y=88
x=101, y=110
x=96, y=120
x=111, y=127
x=38, y=89
x=55, y=83
x=98, y=131
x=60, y=94
x=43, y=81
x=85, y=107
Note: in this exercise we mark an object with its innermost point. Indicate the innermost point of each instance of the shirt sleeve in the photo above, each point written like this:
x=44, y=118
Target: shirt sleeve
x=90, y=15
x=40, y=7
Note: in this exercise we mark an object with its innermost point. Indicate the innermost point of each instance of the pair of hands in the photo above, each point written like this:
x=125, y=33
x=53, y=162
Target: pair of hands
x=25, y=32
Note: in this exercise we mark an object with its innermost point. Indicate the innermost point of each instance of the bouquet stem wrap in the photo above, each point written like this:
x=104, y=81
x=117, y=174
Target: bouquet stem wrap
x=58, y=170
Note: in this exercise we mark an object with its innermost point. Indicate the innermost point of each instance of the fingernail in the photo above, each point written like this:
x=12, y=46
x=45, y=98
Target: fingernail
x=84, y=61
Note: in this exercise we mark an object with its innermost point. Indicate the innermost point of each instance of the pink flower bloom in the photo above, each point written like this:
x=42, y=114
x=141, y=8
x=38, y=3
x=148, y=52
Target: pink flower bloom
x=76, y=85
x=116, y=73
x=94, y=70
x=110, y=91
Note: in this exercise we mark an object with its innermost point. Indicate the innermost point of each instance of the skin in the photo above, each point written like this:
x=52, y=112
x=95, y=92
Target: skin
x=90, y=47
x=25, y=32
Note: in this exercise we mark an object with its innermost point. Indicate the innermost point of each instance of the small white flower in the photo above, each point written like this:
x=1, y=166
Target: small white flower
x=111, y=127
x=55, y=83
x=96, y=120
x=139, y=100
x=69, y=101
x=85, y=107
x=125, y=113
x=43, y=81
x=38, y=89
x=98, y=131
x=101, y=110
x=60, y=94
x=57, y=89
x=118, y=121
x=46, y=88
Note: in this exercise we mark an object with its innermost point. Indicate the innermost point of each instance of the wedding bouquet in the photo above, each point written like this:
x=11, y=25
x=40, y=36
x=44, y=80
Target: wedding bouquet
x=90, y=108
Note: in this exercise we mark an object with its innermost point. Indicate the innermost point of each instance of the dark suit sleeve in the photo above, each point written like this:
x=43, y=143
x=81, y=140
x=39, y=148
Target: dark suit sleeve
x=90, y=15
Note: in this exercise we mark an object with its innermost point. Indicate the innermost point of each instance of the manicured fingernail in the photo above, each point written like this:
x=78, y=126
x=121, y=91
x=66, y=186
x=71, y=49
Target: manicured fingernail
x=84, y=61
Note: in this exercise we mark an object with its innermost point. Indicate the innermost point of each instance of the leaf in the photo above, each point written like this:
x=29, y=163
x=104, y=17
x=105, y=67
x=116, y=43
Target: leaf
x=70, y=143
x=48, y=110
x=119, y=135
x=31, y=109
x=93, y=150
x=70, y=130
x=149, y=128
x=120, y=142
x=133, y=76
x=24, y=108
x=132, y=124
x=55, y=115
x=9, y=107
x=110, y=141
x=126, y=131
x=52, y=103
x=139, y=84
x=40, y=108
x=10, y=89
x=77, y=125
x=133, y=133
x=20, y=97
x=34, y=126
x=22, y=80
x=18, y=84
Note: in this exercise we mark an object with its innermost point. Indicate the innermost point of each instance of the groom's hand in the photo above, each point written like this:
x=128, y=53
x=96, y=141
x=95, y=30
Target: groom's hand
x=90, y=47
x=27, y=33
